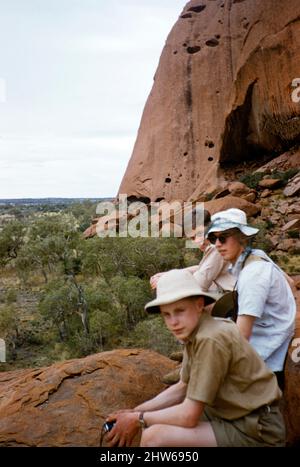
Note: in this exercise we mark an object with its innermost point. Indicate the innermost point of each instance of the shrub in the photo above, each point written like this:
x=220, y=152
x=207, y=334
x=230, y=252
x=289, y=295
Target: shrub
x=153, y=334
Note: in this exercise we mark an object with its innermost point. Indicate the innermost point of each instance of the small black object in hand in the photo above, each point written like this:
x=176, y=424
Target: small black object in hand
x=107, y=426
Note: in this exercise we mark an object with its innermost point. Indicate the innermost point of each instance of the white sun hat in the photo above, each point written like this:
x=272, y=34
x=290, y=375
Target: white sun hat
x=175, y=285
x=230, y=219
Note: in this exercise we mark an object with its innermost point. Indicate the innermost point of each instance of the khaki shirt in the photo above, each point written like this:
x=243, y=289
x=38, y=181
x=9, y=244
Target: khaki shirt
x=212, y=273
x=223, y=370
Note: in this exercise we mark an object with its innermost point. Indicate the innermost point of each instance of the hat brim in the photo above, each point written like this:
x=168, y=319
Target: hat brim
x=153, y=306
x=221, y=226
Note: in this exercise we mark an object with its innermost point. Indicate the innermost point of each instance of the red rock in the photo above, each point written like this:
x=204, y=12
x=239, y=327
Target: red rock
x=270, y=183
x=293, y=187
x=90, y=231
x=221, y=204
x=251, y=197
x=291, y=225
x=286, y=161
x=265, y=193
x=238, y=189
x=286, y=245
x=292, y=382
x=215, y=99
x=66, y=404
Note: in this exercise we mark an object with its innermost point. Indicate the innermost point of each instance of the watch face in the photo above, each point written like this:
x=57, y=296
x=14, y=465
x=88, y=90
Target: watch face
x=141, y=420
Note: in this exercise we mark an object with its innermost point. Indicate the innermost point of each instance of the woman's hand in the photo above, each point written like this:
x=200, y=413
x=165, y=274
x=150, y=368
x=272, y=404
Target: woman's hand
x=154, y=279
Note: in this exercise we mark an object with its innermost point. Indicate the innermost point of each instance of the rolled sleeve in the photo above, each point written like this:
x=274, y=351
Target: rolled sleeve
x=253, y=288
x=209, y=268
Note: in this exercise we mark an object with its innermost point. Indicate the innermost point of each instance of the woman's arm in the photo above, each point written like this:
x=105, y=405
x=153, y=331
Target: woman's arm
x=209, y=268
x=245, y=325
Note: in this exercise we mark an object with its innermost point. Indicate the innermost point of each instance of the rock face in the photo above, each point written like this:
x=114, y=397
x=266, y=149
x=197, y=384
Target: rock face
x=225, y=90
x=66, y=404
x=292, y=383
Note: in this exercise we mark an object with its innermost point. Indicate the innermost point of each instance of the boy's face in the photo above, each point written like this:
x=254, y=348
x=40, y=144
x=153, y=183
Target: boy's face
x=182, y=317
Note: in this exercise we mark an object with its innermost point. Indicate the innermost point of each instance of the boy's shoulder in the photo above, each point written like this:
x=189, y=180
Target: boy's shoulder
x=221, y=329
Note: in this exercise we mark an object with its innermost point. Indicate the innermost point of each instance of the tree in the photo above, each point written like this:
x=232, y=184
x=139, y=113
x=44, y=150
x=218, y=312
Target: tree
x=51, y=244
x=63, y=302
x=132, y=293
x=11, y=240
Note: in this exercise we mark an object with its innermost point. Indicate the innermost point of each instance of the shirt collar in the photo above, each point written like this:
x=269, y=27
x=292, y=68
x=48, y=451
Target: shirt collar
x=203, y=317
x=236, y=268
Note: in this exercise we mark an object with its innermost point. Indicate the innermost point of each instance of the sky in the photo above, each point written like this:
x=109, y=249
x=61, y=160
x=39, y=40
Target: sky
x=74, y=78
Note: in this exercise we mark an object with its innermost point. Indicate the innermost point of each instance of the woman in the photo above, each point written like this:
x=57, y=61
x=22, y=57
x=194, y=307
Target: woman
x=266, y=306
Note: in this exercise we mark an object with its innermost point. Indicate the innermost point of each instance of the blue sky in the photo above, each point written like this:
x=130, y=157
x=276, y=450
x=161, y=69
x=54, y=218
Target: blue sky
x=74, y=78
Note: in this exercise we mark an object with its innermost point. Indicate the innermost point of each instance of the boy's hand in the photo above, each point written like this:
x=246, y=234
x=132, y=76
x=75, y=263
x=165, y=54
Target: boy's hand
x=126, y=427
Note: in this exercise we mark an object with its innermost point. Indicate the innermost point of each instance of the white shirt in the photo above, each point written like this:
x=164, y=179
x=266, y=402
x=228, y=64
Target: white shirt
x=264, y=292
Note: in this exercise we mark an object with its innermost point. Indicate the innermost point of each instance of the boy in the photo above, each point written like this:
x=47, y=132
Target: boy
x=226, y=396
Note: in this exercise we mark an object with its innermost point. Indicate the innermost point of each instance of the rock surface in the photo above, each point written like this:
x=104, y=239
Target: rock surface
x=223, y=92
x=228, y=202
x=292, y=382
x=66, y=404
x=293, y=187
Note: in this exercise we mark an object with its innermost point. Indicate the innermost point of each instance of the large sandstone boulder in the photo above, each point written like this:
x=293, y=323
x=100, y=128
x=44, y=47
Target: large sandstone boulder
x=221, y=204
x=66, y=404
x=223, y=92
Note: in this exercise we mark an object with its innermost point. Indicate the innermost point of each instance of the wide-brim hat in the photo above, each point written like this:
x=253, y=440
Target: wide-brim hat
x=230, y=219
x=175, y=285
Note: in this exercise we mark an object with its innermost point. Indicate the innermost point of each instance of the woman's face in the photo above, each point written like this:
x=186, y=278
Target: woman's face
x=227, y=245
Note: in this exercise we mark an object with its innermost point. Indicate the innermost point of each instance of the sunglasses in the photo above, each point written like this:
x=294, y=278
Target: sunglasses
x=222, y=238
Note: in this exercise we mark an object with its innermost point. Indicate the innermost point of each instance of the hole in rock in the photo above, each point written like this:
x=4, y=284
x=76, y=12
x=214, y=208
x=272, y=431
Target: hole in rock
x=212, y=42
x=142, y=199
x=193, y=50
x=197, y=8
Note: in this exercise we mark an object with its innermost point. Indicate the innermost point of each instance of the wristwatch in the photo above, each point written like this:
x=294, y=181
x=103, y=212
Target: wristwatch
x=142, y=421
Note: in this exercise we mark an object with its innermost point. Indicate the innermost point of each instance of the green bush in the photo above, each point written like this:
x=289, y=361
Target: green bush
x=293, y=233
x=252, y=179
x=152, y=333
x=260, y=240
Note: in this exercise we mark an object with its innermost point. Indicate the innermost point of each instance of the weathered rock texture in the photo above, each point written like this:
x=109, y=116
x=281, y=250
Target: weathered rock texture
x=292, y=383
x=222, y=93
x=66, y=404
